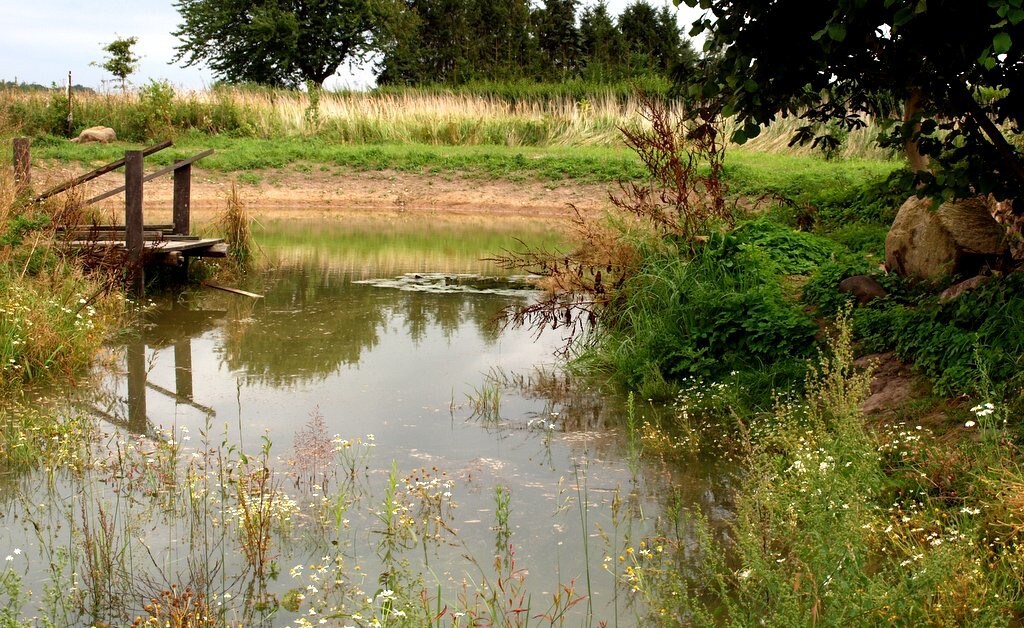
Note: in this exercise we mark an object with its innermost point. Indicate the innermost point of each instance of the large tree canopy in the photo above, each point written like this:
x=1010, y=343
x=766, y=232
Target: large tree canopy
x=274, y=42
x=955, y=66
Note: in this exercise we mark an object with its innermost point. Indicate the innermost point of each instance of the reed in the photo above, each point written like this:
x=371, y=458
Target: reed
x=236, y=225
x=515, y=115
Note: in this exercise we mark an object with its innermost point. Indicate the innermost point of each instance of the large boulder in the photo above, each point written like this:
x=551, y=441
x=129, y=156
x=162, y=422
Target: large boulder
x=102, y=134
x=958, y=238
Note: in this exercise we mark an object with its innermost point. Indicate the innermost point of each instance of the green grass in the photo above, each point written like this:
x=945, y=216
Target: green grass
x=798, y=178
x=837, y=525
x=53, y=317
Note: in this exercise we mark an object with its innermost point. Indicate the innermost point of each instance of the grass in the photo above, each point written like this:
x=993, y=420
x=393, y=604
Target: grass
x=433, y=131
x=53, y=317
x=839, y=524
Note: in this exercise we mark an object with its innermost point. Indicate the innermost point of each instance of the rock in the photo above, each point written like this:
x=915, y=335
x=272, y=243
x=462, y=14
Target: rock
x=958, y=238
x=102, y=134
x=863, y=287
x=958, y=289
x=893, y=384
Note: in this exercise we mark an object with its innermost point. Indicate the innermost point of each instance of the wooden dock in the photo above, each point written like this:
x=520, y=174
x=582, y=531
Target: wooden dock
x=142, y=244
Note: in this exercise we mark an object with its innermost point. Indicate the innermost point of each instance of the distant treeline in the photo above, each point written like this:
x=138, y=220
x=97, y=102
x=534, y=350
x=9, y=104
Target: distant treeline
x=36, y=87
x=453, y=42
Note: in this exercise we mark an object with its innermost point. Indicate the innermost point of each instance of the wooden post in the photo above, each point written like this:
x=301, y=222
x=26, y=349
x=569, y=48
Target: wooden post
x=183, y=368
x=182, y=199
x=137, y=387
x=133, y=219
x=69, y=123
x=22, y=165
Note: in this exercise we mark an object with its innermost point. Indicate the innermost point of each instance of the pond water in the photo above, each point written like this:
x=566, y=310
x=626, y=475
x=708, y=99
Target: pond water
x=372, y=368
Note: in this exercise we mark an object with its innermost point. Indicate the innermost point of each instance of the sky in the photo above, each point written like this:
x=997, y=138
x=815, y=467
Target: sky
x=44, y=39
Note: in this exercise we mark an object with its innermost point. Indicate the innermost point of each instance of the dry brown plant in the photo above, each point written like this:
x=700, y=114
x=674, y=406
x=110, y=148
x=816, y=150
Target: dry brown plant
x=682, y=200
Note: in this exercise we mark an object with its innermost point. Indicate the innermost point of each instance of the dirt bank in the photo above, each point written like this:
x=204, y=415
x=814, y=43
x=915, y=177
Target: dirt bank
x=337, y=192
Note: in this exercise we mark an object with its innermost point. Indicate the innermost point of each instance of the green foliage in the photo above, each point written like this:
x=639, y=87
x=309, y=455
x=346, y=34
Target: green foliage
x=865, y=239
x=982, y=330
x=835, y=525
x=830, y=63
x=431, y=41
x=791, y=252
x=275, y=42
x=822, y=290
x=721, y=311
x=120, y=60
x=453, y=43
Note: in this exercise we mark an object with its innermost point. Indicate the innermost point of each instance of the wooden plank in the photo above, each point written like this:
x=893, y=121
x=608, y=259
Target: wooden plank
x=86, y=235
x=192, y=247
x=181, y=206
x=133, y=218
x=98, y=172
x=136, y=358
x=232, y=290
x=181, y=398
x=216, y=250
x=22, y=165
x=183, y=369
x=110, y=228
x=149, y=177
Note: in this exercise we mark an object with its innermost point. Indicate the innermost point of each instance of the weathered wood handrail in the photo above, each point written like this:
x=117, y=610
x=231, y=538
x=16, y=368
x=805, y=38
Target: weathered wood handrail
x=98, y=172
x=149, y=177
x=167, y=243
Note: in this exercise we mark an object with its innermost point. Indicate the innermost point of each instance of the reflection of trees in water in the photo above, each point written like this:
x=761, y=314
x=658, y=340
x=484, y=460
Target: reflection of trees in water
x=450, y=311
x=313, y=320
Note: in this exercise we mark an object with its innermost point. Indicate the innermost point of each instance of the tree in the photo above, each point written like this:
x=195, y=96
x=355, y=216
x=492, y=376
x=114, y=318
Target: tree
x=604, y=49
x=558, y=39
x=955, y=67
x=275, y=42
x=502, y=31
x=120, y=60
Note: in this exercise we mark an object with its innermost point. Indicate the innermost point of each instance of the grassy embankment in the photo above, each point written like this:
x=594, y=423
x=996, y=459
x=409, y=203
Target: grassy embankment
x=544, y=134
x=910, y=516
x=53, y=315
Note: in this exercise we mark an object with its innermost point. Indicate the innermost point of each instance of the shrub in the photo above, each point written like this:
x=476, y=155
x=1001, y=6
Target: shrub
x=982, y=330
x=722, y=310
x=792, y=252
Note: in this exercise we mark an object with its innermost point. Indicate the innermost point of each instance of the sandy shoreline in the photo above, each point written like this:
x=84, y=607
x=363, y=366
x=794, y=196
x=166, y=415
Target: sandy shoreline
x=337, y=193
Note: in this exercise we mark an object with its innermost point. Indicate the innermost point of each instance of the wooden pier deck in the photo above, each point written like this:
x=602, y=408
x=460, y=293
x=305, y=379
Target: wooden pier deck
x=143, y=245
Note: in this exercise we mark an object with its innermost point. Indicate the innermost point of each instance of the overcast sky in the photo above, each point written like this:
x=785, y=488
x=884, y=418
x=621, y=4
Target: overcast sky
x=43, y=39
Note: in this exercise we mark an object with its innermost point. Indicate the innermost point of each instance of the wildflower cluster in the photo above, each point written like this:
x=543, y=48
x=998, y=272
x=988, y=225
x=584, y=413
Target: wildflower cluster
x=698, y=398
x=41, y=328
x=353, y=453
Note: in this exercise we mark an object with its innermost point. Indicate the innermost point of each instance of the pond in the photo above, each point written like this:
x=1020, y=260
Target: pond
x=362, y=444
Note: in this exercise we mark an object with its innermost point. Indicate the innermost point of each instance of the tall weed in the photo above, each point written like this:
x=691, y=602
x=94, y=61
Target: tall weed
x=821, y=536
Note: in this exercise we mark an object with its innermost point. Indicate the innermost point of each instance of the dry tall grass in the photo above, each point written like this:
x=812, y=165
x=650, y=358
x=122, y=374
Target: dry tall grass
x=356, y=117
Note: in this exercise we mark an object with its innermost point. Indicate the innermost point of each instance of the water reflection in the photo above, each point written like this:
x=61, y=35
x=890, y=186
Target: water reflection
x=404, y=355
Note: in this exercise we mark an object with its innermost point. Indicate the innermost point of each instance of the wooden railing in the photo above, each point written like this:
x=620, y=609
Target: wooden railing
x=134, y=179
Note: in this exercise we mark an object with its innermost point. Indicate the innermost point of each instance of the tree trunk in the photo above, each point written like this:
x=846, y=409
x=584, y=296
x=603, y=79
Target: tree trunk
x=911, y=108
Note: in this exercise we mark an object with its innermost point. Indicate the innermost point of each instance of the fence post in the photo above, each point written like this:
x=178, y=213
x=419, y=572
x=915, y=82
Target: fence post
x=183, y=368
x=133, y=220
x=22, y=165
x=182, y=199
x=137, y=387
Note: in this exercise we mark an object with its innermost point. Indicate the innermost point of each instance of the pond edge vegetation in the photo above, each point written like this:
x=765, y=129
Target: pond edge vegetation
x=838, y=520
